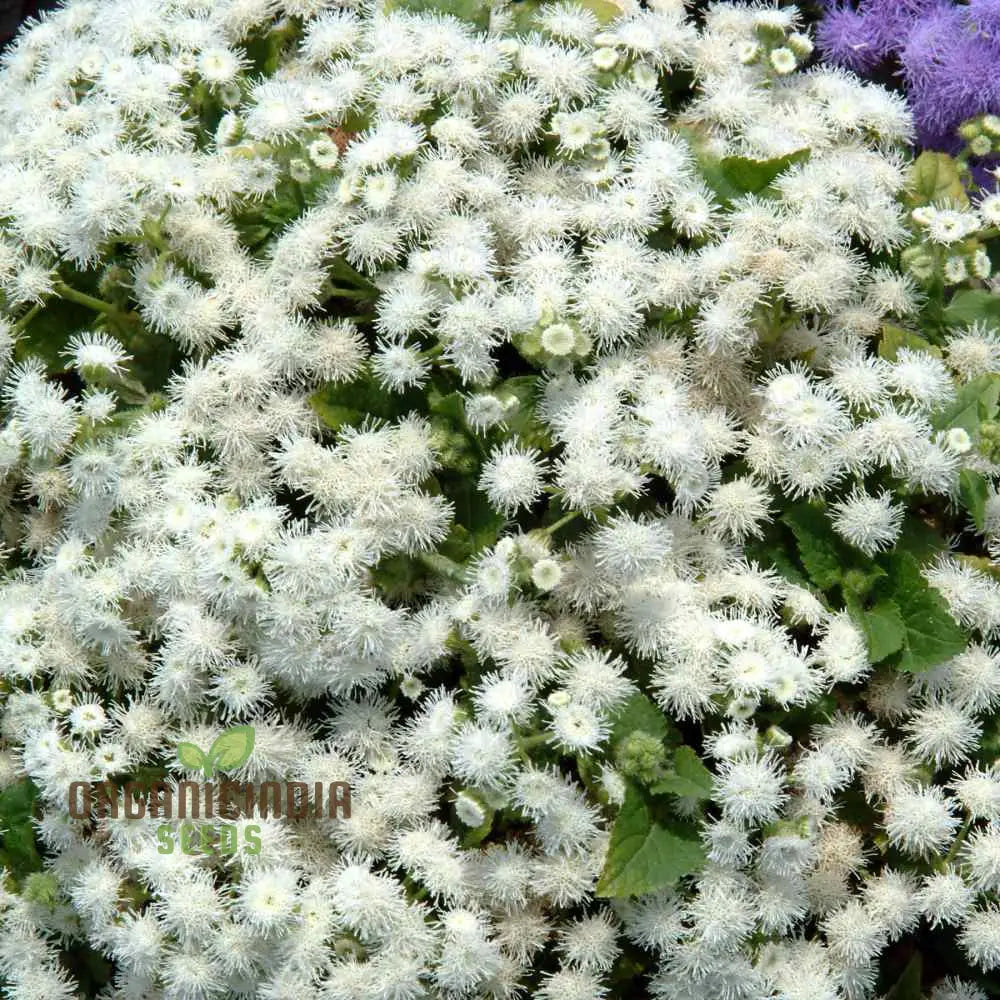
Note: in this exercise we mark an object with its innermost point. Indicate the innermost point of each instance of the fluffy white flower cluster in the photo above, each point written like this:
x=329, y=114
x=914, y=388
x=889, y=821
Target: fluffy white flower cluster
x=299, y=202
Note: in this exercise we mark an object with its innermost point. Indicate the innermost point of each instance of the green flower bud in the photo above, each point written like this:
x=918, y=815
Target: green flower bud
x=970, y=130
x=641, y=756
x=41, y=888
x=981, y=145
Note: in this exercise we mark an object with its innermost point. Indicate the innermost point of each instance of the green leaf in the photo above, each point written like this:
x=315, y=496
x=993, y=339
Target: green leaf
x=976, y=401
x=339, y=403
x=974, y=490
x=934, y=178
x=828, y=559
x=883, y=627
x=732, y=177
x=920, y=540
x=895, y=337
x=522, y=420
x=475, y=12
x=231, y=748
x=820, y=551
x=603, y=10
x=973, y=305
x=524, y=12
x=749, y=176
x=644, y=854
x=907, y=987
x=190, y=756
x=691, y=779
x=452, y=406
x=931, y=635
x=333, y=415
x=772, y=549
x=17, y=804
x=638, y=713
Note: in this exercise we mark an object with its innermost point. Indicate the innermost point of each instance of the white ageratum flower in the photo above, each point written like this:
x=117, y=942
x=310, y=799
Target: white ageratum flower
x=88, y=718
x=268, y=897
x=512, y=477
x=546, y=574
x=869, y=523
x=749, y=789
x=577, y=727
x=920, y=821
x=739, y=508
x=96, y=353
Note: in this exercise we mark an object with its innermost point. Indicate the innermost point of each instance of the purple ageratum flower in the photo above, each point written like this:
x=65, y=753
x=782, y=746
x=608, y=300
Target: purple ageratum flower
x=845, y=37
x=930, y=44
x=969, y=79
x=891, y=21
x=984, y=17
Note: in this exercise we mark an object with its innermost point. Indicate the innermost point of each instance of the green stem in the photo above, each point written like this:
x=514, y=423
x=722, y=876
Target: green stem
x=943, y=864
x=562, y=522
x=526, y=743
x=82, y=298
x=438, y=563
x=26, y=319
x=347, y=293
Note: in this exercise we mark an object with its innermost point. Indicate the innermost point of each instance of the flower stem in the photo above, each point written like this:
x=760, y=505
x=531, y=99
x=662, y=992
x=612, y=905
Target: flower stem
x=347, y=293
x=82, y=298
x=26, y=319
x=956, y=844
x=562, y=522
x=442, y=564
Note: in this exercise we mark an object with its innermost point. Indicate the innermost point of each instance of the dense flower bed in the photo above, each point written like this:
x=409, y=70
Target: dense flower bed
x=574, y=429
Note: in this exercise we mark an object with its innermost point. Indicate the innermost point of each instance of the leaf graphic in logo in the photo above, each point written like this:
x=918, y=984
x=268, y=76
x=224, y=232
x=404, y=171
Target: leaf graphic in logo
x=190, y=756
x=231, y=748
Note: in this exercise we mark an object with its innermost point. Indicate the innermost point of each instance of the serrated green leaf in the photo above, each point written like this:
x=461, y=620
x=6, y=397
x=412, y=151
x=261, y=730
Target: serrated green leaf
x=521, y=419
x=450, y=406
x=17, y=803
x=231, y=748
x=644, y=854
x=332, y=415
x=934, y=178
x=974, y=490
x=895, y=337
x=820, y=551
x=638, y=713
x=971, y=306
x=339, y=403
x=920, y=540
x=524, y=12
x=827, y=558
x=980, y=564
x=691, y=779
x=883, y=627
x=749, y=176
x=976, y=401
x=771, y=550
x=931, y=634
x=190, y=756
